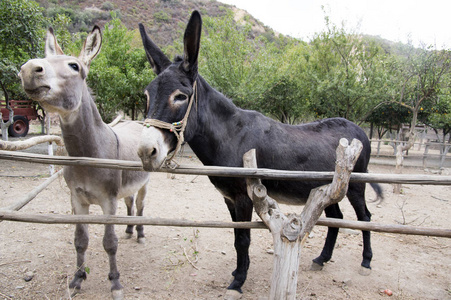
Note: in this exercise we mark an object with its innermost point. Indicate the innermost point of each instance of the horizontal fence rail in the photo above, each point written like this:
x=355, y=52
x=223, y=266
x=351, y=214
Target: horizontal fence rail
x=127, y=220
x=7, y=214
x=267, y=174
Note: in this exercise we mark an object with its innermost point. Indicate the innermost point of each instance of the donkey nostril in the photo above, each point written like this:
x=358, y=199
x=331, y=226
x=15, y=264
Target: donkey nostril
x=154, y=152
x=38, y=69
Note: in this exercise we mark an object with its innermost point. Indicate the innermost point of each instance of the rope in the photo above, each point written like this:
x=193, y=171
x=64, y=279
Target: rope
x=178, y=128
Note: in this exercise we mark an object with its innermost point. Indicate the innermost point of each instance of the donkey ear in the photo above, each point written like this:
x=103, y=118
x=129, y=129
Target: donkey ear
x=157, y=59
x=51, y=44
x=91, y=46
x=191, y=42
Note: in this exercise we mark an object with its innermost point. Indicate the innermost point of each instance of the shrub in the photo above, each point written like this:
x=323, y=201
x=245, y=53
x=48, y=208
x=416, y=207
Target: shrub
x=107, y=6
x=161, y=16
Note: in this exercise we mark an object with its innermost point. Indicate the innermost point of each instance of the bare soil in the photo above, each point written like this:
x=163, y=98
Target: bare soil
x=196, y=263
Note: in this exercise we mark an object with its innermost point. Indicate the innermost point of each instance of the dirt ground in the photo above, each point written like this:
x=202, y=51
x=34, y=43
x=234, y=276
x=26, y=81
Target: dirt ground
x=196, y=263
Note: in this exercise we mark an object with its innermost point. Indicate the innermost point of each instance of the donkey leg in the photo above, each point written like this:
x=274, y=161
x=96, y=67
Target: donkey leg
x=110, y=244
x=140, y=210
x=241, y=210
x=356, y=195
x=332, y=211
x=129, y=202
x=81, y=241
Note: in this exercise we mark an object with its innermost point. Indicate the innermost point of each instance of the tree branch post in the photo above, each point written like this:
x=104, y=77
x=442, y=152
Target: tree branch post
x=22, y=145
x=289, y=231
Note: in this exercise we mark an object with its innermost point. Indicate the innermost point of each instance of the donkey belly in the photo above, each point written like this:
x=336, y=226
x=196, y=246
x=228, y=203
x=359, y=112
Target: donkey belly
x=287, y=192
x=131, y=188
x=286, y=198
x=92, y=185
x=290, y=192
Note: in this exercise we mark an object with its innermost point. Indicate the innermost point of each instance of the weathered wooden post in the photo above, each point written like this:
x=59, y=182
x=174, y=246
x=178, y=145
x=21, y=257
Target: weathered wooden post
x=22, y=145
x=289, y=231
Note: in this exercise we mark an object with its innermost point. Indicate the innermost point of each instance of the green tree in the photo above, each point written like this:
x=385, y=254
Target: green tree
x=232, y=62
x=254, y=72
x=388, y=116
x=60, y=25
x=287, y=96
x=21, y=32
x=119, y=74
x=22, y=28
x=420, y=79
x=346, y=74
x=439, y=117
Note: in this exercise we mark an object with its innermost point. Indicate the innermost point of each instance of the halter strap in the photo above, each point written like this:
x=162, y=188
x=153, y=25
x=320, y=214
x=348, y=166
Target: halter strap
x=178, y=128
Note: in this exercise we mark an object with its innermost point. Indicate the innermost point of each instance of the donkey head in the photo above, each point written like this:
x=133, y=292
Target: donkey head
x=169, y=96
x=58, y=81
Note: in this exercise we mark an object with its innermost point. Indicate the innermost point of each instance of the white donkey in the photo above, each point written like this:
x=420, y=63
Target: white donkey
x=58, y=83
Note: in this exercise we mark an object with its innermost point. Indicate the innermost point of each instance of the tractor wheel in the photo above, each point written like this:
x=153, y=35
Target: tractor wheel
x=19, y=128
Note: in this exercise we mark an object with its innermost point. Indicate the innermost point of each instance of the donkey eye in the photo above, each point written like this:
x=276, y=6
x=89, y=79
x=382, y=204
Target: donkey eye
x=180, y=97
x=74, y=67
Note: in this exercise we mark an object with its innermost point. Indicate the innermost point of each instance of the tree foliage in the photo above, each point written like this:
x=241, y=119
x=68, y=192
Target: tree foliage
x=255, y=73
x=346, y=74
x=232, y=62
x=420, y=81
x=338, y=73
x=287, y=97
x=22, y=28
x=439, y=117
x=119, y=74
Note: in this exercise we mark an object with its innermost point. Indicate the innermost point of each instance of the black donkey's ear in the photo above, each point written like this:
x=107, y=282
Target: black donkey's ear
x=191, y=42
x=157, y=59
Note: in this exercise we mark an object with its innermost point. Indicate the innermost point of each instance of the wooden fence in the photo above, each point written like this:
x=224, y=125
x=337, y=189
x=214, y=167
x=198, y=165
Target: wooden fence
x=443, y=148
x=288, y=234
x=8, y=213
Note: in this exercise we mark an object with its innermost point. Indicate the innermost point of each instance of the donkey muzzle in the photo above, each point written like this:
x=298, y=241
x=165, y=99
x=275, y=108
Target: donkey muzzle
x=152, y=149
x=34, y=78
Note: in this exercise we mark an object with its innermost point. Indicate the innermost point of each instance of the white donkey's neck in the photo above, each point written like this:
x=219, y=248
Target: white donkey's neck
x=85, y=133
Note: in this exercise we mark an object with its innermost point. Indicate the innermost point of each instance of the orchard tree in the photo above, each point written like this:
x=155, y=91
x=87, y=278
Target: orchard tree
x=21, y=32
x=119, y=74
x=287, y=96
x=421, y=73
x=22, y=28
x=346, y=74
x=254, y=72
x=440, y=115
x=388, y=116
x=232, y=62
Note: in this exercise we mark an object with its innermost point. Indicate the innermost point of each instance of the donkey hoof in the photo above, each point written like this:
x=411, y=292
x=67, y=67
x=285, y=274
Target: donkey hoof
x=128, y=235
x=71, y=293
x=141, y=240
x=232, y=295
x=364, y=271
x=316, y=267
x=117, y=294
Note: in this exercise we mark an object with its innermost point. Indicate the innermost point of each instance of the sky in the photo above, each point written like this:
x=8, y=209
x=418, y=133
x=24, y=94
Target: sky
x=427, y=21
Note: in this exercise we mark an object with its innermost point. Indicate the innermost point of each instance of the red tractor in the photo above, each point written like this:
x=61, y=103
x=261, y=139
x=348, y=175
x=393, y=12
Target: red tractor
x=24, y=111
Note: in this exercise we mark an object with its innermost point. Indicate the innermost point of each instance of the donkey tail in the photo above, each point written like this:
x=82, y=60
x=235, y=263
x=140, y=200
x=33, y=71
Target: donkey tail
x=379, y=193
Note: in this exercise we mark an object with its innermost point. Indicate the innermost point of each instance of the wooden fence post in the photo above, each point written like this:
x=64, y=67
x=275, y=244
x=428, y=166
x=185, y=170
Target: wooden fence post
x=22, y=145
x=289, y=231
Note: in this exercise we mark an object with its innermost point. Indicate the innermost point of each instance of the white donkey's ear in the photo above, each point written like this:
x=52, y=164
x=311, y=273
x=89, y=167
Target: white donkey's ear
x=51, y=44
x=91, y=47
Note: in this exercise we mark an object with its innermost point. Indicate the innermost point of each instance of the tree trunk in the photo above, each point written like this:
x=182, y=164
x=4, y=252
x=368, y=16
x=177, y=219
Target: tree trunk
x=401, y=148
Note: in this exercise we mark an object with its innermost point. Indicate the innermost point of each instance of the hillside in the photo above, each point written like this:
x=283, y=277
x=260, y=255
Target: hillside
x=165, y=20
